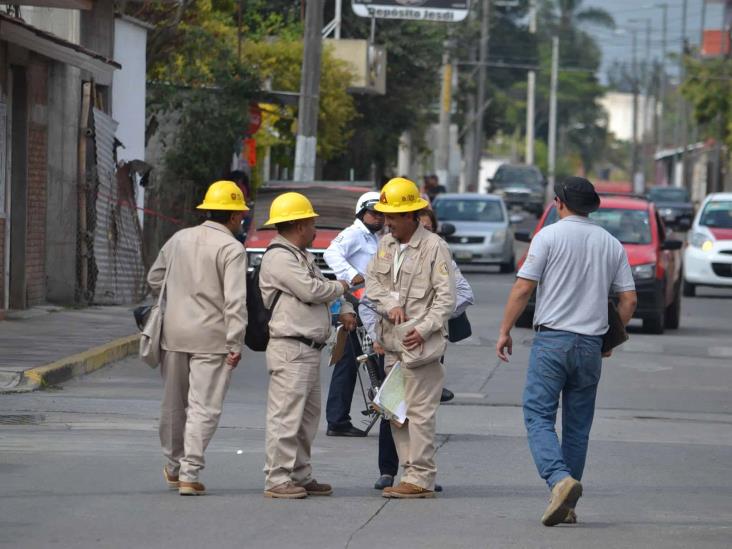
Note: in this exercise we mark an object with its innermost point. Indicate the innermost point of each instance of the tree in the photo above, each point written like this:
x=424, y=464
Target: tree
x=707, y=87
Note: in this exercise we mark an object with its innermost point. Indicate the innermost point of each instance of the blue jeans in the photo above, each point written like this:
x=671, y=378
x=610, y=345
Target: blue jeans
x=568, y=364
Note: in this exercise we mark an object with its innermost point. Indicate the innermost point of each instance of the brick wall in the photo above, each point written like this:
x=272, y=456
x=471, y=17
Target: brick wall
x=37, y=180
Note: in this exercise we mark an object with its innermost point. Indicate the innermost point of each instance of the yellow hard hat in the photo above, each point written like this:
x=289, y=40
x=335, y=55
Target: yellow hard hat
x=223, y=195
x=290, y=207
x=400, y=195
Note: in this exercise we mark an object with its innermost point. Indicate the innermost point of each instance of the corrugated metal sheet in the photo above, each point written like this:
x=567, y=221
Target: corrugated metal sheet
x=117, y=236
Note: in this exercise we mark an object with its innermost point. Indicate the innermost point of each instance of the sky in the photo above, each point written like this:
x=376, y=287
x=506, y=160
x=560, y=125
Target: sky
x=633, y=13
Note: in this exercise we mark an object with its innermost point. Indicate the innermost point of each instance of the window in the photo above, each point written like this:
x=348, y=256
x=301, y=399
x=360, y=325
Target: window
x=485, y=211
x=717, y=215
x=628, y=226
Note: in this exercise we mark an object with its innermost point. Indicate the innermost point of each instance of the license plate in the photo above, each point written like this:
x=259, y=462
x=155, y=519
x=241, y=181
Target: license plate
x=463, y=255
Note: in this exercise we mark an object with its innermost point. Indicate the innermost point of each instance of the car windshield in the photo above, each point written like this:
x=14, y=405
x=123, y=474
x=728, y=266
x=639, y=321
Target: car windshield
x=669, y=194
x=628, y=226
x=522, y=177
x=717, y=215
x=454, y=209
x=335, y=205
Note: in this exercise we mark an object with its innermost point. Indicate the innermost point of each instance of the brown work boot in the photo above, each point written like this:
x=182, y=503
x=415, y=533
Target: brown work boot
x=170, y=480
x=565, y=494
x=286, y=490
x=191, y=488
x=314, y=488
x=571, y=517
x=407, y=490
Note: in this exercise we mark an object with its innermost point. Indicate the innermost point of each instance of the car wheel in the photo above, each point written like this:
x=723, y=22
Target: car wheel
x=508, y=267
x=673, y=312
x=526, y=319
x=654, y=325
x=689, y=289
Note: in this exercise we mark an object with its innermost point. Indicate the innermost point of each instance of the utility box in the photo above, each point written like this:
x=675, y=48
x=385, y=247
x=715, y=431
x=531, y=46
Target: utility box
x=367, y=61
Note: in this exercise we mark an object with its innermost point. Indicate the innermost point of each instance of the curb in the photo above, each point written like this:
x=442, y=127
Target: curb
x=78, y=364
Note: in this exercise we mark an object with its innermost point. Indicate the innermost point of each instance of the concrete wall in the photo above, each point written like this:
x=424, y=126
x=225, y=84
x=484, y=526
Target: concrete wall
x=4, y=179
x=61, y=22
x=37, y=179
x=62, y=212
x=128, y=94
x=619, y=108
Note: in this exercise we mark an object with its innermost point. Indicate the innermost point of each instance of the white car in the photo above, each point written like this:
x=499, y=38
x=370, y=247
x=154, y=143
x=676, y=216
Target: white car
x=708, y=257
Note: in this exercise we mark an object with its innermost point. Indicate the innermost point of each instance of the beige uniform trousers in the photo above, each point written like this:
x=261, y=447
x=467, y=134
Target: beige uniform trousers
x=193, y=398
x=293, y=411
x=415, y=441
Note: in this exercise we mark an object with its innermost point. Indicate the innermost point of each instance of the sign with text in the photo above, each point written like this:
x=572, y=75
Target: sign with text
x=447, y=11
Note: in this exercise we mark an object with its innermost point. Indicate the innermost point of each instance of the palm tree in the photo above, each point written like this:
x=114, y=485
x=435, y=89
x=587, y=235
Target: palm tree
x=570, y=14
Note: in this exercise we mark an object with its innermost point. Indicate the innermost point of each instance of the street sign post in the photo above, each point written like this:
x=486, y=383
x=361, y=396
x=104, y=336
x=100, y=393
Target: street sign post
x=447, y=11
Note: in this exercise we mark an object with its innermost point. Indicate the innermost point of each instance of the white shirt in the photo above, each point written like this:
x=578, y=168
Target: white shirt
x=350, y=252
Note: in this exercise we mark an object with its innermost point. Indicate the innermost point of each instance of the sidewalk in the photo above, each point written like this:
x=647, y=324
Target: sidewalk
x=47, y=345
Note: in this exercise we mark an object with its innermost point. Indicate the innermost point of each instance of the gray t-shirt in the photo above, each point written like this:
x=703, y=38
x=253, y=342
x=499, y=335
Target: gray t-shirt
x=577, y=264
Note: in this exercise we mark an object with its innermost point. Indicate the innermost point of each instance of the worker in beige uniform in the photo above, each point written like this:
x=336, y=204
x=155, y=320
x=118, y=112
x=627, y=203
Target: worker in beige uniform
x=299, y=297
x=412, y=283
x=203, y=330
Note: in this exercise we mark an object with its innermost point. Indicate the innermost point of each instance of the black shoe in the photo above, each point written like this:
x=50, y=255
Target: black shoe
x=347, y=431
x=384, y=481
x=447, y=395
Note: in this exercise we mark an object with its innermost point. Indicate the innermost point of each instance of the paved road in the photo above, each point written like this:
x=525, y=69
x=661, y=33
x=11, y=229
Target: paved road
x=80, y=465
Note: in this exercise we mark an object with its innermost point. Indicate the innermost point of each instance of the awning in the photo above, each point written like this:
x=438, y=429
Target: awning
x=16, y=31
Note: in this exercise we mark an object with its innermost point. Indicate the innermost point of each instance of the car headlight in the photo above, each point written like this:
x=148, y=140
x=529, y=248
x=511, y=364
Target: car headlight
x=701, y=240
x=498, y=237
x=255, y=259
x=644, y=272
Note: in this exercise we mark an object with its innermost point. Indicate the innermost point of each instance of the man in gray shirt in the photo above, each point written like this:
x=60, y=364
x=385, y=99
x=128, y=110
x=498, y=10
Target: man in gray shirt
x=573, y=265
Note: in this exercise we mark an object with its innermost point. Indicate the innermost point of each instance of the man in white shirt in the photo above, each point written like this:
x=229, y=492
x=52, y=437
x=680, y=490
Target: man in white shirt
x=349, y=255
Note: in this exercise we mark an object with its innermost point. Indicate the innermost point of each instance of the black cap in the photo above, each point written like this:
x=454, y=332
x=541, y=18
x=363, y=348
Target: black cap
x=578, y=194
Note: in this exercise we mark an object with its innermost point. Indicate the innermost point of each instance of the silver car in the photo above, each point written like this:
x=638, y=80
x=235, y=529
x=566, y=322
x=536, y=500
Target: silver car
x=483, y=233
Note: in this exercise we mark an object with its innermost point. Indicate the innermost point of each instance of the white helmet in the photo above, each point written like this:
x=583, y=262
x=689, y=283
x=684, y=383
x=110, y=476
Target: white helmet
x=367, y=201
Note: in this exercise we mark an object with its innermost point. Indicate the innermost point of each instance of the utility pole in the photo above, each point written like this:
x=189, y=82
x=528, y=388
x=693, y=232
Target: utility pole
x=682, y=103
x=477, y=148
x=531, y=93
x=442, y=160
x=307, y=120
x=635, y=156
x=663, y=83
x=552, y=163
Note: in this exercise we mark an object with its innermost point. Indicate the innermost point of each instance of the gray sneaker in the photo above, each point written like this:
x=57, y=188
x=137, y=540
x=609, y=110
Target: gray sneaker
x=385, y=481
x=565, y=494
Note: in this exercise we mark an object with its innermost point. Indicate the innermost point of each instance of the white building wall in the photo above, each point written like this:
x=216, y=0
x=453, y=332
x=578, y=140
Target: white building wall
x=128, y=93
x=619, y=108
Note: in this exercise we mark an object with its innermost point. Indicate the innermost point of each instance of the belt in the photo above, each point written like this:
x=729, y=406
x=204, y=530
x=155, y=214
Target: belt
x=542, y=328
x=307, y=341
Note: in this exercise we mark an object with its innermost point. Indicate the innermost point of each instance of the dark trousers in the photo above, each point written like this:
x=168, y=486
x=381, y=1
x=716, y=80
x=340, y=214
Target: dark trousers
x=388, y=458
x=342, y=385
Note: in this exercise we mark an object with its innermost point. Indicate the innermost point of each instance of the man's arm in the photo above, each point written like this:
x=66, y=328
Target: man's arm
x=443, y=282
x=517, y=301
x=335, y=256
x=157, y=272
x=235, y=298
x=464, y=296
x=286, y=270
x=627, y=302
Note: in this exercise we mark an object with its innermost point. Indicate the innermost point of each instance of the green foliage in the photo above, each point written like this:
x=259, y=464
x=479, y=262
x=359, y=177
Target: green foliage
x=707, y=87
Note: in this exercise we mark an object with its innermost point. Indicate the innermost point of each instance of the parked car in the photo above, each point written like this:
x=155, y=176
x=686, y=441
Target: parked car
x=520, y=186
x=483, y=233
x=334, y=202
x=708, y=256
x=654, y=259
x=674, y=206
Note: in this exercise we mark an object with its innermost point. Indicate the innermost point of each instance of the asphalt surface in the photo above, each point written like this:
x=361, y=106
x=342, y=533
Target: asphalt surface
x=80, y=464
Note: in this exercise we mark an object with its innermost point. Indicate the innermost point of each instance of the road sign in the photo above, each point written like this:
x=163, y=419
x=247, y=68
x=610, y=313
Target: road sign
x=447, y=11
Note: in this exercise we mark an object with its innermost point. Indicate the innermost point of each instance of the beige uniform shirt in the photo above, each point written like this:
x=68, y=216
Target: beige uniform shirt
x=206, y=296
x=420, y=278
x=303, y=308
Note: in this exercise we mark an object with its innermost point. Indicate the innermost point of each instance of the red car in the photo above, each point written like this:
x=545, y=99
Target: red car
x=654, y=258
x=335, y=204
